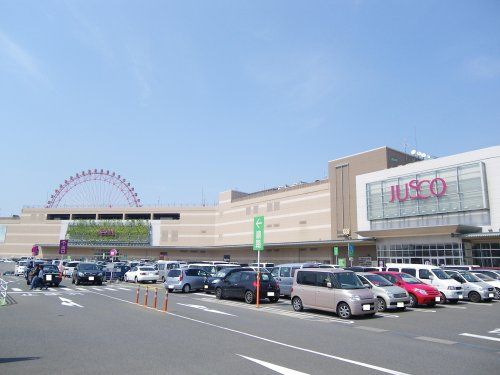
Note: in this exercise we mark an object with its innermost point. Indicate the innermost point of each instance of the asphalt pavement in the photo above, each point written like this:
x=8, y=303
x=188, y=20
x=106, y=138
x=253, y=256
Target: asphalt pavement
x=84, y=329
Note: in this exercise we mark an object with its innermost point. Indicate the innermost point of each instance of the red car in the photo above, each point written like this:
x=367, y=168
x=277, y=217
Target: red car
x=420, y=293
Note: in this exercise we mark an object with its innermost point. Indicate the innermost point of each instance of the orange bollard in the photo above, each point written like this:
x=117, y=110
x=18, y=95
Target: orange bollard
x=155, y=299
x=137, y=294
x=165, y=301
x=146, y=297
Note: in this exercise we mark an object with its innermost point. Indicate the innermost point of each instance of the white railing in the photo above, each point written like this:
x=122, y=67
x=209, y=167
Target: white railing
x=3, y=292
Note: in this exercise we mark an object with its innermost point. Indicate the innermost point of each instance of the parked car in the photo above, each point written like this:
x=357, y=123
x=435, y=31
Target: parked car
x=69, y=267
x=243, y=285
x=475, y=290
x=208, y=268
x=283, y=274
x=51, y=275
x=166, y=265
x=490, y=281
x=389, y=296
x=212, y=281
x=495, y=274
x=185, y=279
x=362, y=269
x=141, y=274
x=20, y=268
x=451, y=290
x=116, y=273
x=335, y=290
x=419, y=292
x=87, y=273
x=263, y=265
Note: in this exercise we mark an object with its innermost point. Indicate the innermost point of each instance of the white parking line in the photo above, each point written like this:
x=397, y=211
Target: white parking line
x=113, y=290
x=481, y=337
x=371, y=329
x=83, y=289
x=386, y=315
x=433, y=339
x=454, y=307
x=127, y=289
x=341, y=359
x=16, y=290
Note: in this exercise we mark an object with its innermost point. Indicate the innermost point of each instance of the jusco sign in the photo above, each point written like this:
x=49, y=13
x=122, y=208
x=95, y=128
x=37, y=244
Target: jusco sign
x=419, y=189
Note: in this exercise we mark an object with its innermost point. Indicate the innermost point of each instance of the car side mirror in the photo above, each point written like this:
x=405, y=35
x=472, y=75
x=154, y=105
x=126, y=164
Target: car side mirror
x=431, y=277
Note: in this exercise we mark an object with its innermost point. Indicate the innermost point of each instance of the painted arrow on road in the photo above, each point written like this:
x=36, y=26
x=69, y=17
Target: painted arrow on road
x=68, y=302
x=204, y=308
x=279, y=369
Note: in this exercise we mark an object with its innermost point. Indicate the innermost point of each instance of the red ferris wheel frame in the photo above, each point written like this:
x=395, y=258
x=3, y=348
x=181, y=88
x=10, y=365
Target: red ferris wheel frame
x=95, y=175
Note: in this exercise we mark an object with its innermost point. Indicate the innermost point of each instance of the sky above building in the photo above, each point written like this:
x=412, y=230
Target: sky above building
x=185, y=97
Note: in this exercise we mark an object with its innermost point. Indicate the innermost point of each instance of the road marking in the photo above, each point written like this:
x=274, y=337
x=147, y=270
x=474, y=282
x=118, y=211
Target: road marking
x=454, y=307
x=83, y=289
x=280, y=369
x=371, y=329
x=68, y=302
x=341, y=359
x=98, y=289
x=481, y=337
x=386, y=315
x=204, y=308
x=438, y=341
x=127, y=289
x=423, y=311
x=16, y=290
x=480, y=303
x=496, y=331
x=113, y=290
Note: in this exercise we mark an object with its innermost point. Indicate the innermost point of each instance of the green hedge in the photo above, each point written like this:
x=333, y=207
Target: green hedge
x=130, y=232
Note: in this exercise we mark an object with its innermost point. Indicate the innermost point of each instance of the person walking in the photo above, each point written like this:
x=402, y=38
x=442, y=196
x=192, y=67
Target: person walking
x=40, y=279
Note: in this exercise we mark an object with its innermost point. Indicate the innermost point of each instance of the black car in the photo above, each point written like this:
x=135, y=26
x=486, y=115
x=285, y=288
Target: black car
x=243, y=285
x=87, y=272
x=51, y=275
x=212, y=281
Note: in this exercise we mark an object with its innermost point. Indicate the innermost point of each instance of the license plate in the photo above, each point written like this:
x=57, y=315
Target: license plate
x=366, y=307
x=205, y=286
x=170, y=287
x=48, y=278
x=438, y=299
x=401, y=304
x=91, y=278
x=460, y=296
x=270, y=294
x=491, y=295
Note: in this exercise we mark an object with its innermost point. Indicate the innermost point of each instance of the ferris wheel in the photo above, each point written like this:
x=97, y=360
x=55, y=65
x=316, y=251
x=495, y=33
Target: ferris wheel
x=94, y=188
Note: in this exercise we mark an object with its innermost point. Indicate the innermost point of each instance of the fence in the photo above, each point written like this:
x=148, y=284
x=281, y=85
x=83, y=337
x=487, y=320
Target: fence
x=3, y=292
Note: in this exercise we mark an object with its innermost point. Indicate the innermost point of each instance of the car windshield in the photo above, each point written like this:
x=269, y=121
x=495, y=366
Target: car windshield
x=88, y=267
x=146, y=269
x=470, y=277
x=349, y=280
x=440, y=274
x=410, y=279
x=266, y=277
x=50, y=268
x=22, y=263
x=378, y=280
x=484, y=277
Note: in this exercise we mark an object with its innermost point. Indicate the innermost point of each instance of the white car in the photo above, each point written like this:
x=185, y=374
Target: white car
x=141, y=274
x=68, y=269
x=20, y=268
x=491, y=281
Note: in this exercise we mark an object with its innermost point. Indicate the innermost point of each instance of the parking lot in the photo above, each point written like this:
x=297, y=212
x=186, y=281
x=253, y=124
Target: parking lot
x=103, y=328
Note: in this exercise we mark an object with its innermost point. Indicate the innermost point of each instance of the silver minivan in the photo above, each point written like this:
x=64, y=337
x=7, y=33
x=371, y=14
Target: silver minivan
x=389, y=296
x=283, y=274
x=334, y=290
x=185, y=279
x=475, y=289
x=164, y=266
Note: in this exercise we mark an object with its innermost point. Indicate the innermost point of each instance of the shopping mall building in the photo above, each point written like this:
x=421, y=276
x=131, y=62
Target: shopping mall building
x=388, y=205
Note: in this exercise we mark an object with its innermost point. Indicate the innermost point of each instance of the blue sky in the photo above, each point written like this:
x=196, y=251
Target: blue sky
x=180, y=96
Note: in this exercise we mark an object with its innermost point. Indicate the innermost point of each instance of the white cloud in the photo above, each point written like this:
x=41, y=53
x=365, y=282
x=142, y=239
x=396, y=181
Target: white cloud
x=19, y=59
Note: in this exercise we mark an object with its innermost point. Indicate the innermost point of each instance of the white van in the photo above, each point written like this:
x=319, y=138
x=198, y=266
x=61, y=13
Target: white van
x=451, y=290
x=163, y=266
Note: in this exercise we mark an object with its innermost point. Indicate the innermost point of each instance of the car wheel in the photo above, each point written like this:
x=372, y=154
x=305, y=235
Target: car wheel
x=413, y=301
x=77, y=281
x=163, y=279
x=72, y=280
x=497, y=293
x=474, y=297
x=343, y=310
x=381, y=305
x=218, y=293
x=297, y=304
x=186, y=288
x=249, y=298
x=443, y=299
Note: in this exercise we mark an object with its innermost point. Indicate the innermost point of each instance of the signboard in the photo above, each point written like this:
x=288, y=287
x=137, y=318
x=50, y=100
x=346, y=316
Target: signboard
x=350, y=249
x=113, y=252
x=63, y=247
x=453, y=189
x=258, y=233
x=342, y=262
x=336, y=251
x=365, y=261
x=35, y=250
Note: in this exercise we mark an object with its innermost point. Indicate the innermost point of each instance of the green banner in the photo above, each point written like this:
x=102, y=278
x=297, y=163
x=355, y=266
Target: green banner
x=342, y=262
x=258, y=233
x=336, y=250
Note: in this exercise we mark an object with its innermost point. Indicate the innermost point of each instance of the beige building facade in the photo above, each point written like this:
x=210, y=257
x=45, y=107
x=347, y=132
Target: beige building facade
x=303, y=222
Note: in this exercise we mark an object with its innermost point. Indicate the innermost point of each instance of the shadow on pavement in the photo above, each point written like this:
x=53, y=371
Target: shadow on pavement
x=17, y=359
